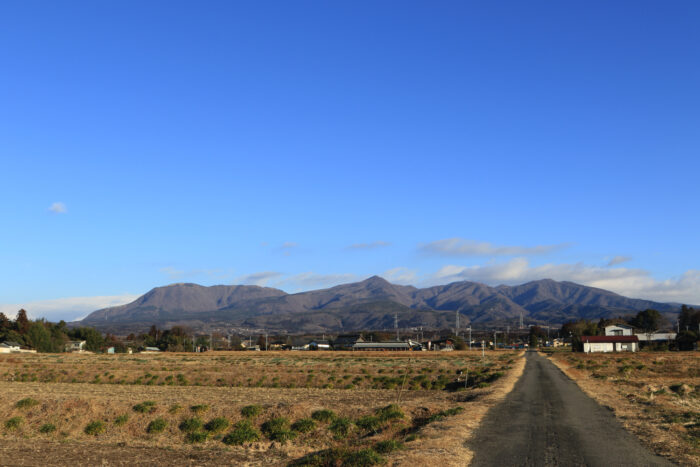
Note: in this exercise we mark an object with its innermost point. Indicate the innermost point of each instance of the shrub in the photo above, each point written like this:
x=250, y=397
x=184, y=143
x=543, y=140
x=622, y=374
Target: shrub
x=251, y=411
x=121, y=420
x=157, y=426
x=243, y=432
x=145, y=407
x=369, y=423
x=390, y=412
x=363, y=457
x=277, y=429
x=304, y=425
x=216, y=425
x=196, y=437
x=200, y=409
x=324, y=415
x=47, y=428
x=339, y=456
x=26, y=403
x=390, y=445
x=341, y=427
x=175, y=409
x=94, y=428
x=191, y=424
x=13, y=423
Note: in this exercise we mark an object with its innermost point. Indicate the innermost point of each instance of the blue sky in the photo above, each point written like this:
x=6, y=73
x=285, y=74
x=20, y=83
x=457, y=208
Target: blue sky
x=304, y=144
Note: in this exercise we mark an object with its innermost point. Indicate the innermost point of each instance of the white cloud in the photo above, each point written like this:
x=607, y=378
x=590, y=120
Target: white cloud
x=368, y=246
x=634, y=283
x=400, y=275
x=68, y=309
x=311, y=280
x=58, y=208
x=619, y=260
x=465, y=247
x=258, y=278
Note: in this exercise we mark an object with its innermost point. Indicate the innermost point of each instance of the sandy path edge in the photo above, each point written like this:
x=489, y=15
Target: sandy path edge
x=445, y=443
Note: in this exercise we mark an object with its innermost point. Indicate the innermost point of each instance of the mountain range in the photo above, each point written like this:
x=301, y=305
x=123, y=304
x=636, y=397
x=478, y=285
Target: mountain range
x=367, y=305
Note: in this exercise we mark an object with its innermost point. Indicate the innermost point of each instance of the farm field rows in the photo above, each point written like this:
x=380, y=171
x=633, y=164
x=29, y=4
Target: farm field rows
x=235, y=407
x=656, y=395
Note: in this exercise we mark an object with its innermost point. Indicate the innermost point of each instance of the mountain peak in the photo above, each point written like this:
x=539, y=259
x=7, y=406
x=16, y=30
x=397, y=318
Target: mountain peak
x=376, y=280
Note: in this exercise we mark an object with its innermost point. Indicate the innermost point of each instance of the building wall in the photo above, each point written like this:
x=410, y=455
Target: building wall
x=598, y=346
x=613, y=330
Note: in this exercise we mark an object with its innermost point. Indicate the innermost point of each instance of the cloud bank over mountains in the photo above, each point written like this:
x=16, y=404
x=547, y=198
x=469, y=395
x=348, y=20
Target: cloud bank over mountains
x=629, y=282
x=67, y=309
x=443, y=261
x=466, y=247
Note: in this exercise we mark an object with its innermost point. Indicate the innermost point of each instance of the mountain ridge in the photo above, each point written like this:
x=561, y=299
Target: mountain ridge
x=368, y=304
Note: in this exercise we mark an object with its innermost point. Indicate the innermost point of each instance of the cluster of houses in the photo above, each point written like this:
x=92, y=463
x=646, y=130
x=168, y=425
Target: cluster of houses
x=358, y=343
x=621, y=338
x=617, y=338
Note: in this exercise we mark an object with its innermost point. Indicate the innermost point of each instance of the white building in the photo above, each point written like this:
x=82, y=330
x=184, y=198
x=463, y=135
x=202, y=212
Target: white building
x=75, y=346
x=610, y=343
x=9, y=346
x=618, y=330
x=656, y=337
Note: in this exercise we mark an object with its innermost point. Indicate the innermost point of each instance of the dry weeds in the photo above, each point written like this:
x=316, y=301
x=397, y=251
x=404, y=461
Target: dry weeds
x=71, y=406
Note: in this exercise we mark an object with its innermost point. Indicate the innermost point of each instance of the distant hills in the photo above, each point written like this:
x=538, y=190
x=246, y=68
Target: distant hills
x=369, y=304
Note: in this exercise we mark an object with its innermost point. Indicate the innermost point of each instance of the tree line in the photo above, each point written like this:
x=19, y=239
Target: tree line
x=45, y=336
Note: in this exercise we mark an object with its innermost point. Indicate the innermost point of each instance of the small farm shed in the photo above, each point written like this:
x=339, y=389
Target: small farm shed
x=610, y=344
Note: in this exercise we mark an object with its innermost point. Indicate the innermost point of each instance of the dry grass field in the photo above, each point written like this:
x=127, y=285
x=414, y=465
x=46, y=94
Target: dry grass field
x=242, y=408
x=656, y=395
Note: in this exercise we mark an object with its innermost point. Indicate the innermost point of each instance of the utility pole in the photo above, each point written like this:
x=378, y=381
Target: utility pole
x=470, y=337
x=396, y=325
x=265, y=340
x=521, y=320
x=494, y=340
x=457, y=323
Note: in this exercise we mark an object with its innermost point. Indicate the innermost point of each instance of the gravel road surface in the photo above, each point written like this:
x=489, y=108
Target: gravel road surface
x=547, y=420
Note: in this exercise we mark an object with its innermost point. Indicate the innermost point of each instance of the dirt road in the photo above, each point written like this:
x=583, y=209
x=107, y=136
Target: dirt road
x=547, y=420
